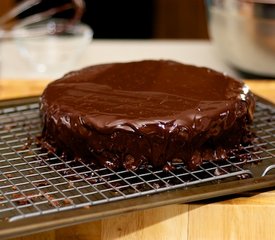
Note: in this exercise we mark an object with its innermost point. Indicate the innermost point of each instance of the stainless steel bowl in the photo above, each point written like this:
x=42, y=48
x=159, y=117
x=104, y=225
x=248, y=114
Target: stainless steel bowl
x=243, y=31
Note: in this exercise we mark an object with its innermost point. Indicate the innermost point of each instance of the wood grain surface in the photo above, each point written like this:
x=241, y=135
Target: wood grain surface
x=247, y=216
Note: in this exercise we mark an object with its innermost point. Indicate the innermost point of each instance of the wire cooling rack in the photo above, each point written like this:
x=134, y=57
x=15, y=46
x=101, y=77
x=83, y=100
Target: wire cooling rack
x=34, y=183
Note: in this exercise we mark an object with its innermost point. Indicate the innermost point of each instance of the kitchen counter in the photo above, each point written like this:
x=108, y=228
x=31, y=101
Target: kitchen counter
x=246, y=216
x=200, y=52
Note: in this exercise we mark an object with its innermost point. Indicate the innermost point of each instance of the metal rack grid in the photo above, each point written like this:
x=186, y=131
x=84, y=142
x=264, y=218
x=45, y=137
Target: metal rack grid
x=34, y=183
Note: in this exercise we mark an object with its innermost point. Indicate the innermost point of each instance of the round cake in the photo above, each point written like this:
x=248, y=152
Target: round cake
x=152, y=112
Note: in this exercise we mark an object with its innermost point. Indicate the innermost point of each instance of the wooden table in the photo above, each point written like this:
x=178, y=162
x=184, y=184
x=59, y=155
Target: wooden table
x=249, y=216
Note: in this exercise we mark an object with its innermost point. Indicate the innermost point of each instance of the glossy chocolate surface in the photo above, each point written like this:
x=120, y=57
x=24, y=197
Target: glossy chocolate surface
x=149, y=112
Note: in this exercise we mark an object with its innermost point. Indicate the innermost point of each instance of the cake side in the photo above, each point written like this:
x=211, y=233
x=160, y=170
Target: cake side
x=145, y=113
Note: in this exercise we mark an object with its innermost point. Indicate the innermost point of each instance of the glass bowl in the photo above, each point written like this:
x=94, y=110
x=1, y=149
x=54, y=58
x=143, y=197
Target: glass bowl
x=53, y=46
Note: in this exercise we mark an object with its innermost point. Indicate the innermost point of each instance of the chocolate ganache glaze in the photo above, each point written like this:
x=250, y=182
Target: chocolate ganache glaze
x=128, y=115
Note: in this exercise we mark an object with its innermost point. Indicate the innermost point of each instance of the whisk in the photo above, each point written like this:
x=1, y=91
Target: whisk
x=7, y=31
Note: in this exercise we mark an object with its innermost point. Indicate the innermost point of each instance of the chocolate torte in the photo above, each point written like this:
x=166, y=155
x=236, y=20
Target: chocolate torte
x=136, y=114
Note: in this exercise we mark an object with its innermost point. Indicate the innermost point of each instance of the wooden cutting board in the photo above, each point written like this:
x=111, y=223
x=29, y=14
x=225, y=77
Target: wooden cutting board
x=247, y=216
